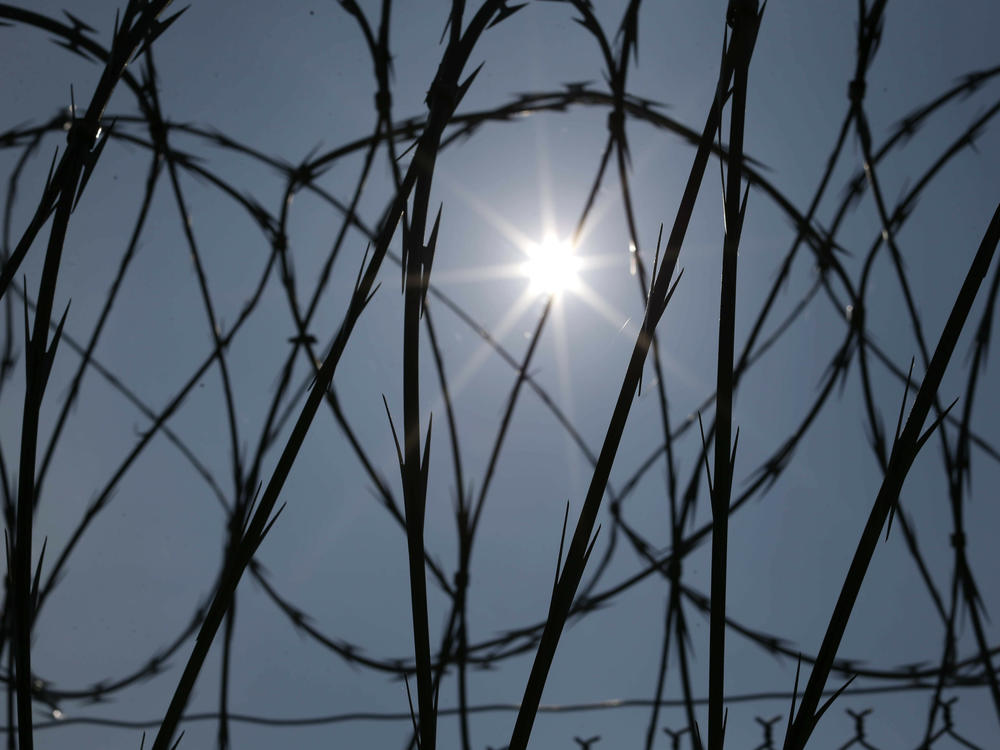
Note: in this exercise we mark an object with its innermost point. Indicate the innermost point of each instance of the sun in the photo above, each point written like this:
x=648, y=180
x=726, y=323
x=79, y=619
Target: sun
x=552, y=267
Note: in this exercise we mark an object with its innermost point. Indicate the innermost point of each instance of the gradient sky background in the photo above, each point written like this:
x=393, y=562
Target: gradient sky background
x=287, y=79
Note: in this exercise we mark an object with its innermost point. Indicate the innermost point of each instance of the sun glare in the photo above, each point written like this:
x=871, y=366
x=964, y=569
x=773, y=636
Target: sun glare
x=552, y=266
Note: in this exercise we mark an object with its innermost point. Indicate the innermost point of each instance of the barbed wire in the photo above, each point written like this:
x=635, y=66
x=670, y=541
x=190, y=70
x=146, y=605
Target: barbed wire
x=154, y=134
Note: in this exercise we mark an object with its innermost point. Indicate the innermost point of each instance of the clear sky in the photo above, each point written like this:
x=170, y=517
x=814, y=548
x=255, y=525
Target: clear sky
x=293, y=81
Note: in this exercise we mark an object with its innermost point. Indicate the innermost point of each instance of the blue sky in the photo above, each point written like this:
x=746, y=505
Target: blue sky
x=287, y=80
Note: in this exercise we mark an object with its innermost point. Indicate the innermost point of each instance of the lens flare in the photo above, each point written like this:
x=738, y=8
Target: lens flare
x=552, y=266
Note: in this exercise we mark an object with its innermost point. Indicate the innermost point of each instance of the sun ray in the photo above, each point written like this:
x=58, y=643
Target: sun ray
x=483, y=209
x=475, y=274
x=476, y=360
x=619, y=320
x=563, y=372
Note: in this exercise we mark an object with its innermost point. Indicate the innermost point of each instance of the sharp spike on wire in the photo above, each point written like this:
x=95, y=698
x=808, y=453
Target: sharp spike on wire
x=395, y=437
x=368, y=299
x=38, y=576
x=590, y=547
x=831, y=699
x=722, y=179
x=704, y=453
x=6, y=549
x=267, y=528
x=562, y=541
x=902, y=406
x=52, y=167
x=50, y=355
x=937, y=423
x=90, y=162
x=251, y=506
x=27, y=329
x=656, y=262
x=673, y=288
x=795, y=693
x=425, y=467
x=895, y=442
x=743, y=211
x=464, y=86
x=413, y=715
x=361, y=269
x=428, y=260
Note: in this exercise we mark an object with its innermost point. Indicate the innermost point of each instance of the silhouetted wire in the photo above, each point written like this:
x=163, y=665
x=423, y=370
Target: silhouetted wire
x=386, y=132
